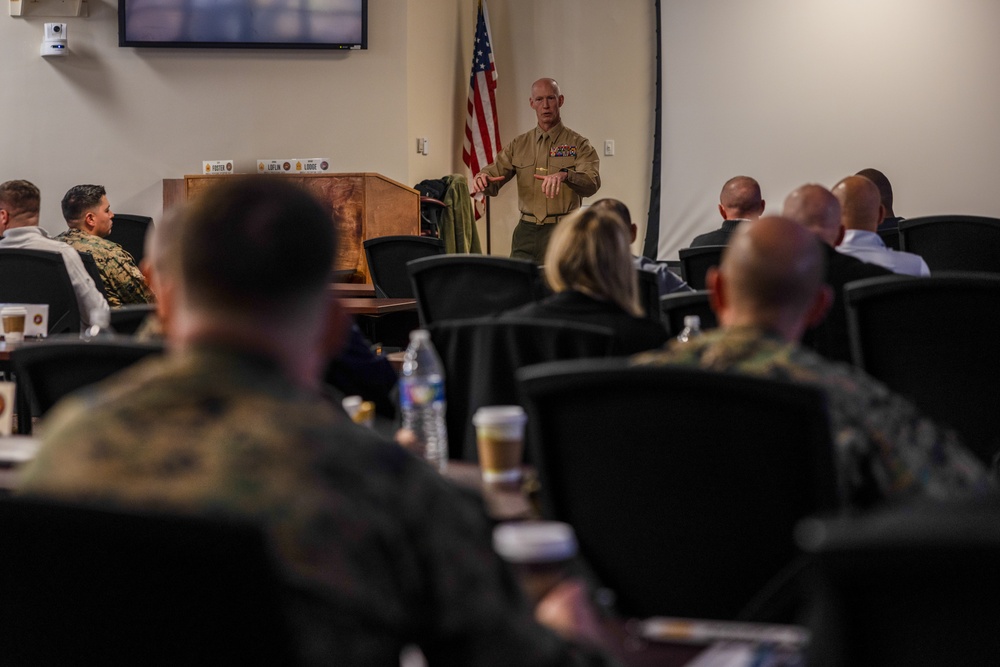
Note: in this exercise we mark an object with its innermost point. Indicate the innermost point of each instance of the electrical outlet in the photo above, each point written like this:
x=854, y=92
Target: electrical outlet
x=609, y=146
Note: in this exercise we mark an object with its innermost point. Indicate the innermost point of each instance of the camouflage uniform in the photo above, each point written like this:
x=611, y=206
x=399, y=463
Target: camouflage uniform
x=885, y=448
x=379, y=548
x=122, y=279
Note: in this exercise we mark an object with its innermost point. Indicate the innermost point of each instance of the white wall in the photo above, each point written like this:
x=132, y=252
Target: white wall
x=128, y=118
x=792, y=92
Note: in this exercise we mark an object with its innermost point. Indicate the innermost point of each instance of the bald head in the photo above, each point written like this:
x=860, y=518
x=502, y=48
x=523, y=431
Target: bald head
x=815, y=208
x=740, y=198
x=771, y=277
x=546, y=99
x=883, y=185
x=860, y=203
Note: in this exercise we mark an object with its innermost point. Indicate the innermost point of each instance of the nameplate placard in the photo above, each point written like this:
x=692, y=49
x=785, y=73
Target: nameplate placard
x=217, y=167
x=295, y=165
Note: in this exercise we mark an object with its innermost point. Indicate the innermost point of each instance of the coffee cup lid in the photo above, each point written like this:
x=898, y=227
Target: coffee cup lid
x=534, y=541
x=14, y=310
x=490, y=415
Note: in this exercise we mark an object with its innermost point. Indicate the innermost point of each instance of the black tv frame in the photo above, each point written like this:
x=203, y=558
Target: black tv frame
x=352, y=46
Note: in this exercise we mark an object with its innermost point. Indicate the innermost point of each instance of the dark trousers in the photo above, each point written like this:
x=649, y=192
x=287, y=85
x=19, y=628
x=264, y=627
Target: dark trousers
x=530, y=241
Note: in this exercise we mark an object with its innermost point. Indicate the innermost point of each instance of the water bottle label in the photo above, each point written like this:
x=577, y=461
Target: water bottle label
x=417, y=393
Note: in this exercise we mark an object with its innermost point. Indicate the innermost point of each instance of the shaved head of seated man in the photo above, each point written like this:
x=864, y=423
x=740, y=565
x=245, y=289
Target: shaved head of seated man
x=768, y=290
x=881, y=181
x=378, y=549
x=861, y=212
x=740, y=201
x=815, y=208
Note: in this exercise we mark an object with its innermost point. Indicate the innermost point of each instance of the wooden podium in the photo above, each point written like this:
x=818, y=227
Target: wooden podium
x=364, y=206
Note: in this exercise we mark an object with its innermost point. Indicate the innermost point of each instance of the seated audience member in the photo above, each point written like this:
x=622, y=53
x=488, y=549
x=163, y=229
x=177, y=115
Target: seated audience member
x=379, y=550
x=815, y=208
x=740, y=201
x=769, y=290
x=20, y=203
x=89, y=217
x=588, y=266
x=891, y=220
x=667, y=281
x=861, y=211
x=355, y=370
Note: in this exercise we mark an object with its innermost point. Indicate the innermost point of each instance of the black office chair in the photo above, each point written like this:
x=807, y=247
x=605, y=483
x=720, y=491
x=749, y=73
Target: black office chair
x=675, y=307
x=49, y=370
x=37, y=276
x=695, y=263
x=129, y=231
x=87, y=586
x=480, y=357
x=649, y=294
x=908, y=587
x=953, y=242
x=890, y=237
x=934, y=340
x=683, y=485
x=387, y=257
x=127, y=319
x=90, y=264
x=453, y=287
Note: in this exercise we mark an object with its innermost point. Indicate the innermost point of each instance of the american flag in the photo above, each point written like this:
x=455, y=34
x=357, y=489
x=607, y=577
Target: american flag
x=482, y=134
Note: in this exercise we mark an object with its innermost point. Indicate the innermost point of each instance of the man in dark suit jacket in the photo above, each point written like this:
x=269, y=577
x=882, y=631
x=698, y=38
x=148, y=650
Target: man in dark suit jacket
x=815, y=208
x=739, y=202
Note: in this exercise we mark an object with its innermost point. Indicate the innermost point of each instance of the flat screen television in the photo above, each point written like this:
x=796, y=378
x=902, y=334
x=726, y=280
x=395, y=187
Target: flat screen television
x=246, y=24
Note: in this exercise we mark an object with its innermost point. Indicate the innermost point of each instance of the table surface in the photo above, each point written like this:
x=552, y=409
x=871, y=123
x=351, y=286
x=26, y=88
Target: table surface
x=374, y=306
x=353, y=290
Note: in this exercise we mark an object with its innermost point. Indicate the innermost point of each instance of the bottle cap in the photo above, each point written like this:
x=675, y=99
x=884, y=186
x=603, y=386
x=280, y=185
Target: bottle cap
x=692, y=321
x=534, y=541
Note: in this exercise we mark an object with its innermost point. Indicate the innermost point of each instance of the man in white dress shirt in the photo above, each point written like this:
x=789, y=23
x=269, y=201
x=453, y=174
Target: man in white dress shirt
x=20, y=202
x=861, y=211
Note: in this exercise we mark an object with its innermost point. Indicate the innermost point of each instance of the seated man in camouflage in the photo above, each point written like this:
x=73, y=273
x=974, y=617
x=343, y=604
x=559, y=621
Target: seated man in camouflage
x=378, y=549
x=767, y=291
x=89, y=217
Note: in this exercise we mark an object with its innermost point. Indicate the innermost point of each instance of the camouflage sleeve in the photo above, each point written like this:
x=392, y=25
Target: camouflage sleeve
x=125, y=279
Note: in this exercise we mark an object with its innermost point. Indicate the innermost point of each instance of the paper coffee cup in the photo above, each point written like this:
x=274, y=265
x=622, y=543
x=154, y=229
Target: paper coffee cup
x=539, y=551
x=6, y=408
x=12, y=318
x=500, y=441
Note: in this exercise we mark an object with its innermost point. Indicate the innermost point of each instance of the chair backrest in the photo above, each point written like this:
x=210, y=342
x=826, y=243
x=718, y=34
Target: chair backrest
x=90, y=264
x=695, y=263
x=129, y=231
x=649, y=294
x=909, y=587
x=934, y=340
x=481, y=356
x=83, y=585
x=37, y=276
x=675, y=307
x=453, y=287
x=127, y=319
x=387, y=257
x=683, y=485
x=890, y=237
x=953, y=242
x=49, y=370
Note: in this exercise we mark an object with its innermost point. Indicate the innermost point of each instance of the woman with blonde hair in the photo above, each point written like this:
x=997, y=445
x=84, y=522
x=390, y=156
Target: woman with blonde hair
x=589, y=266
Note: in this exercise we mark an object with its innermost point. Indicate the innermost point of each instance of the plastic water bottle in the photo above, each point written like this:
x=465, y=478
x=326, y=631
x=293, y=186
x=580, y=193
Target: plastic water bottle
x=692, y=328
x=421, y=398
x=100, y=325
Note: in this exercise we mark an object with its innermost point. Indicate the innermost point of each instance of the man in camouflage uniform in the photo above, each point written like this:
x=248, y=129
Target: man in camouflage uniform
x=89, y=217
x=378, y=549
x=767, y=291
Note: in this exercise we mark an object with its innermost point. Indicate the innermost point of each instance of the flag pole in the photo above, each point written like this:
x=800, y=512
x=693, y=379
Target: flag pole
x=489, y=235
